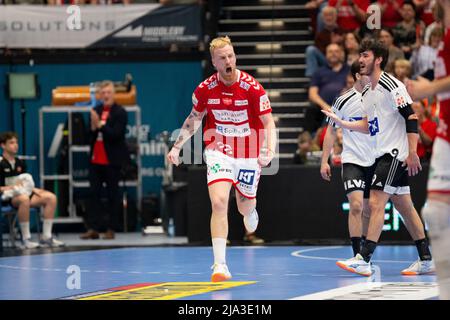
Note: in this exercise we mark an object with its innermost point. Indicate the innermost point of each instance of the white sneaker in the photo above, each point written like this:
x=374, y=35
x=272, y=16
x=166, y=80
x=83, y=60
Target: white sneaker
x=51, y=242
x=251, y=221
x=419, y=267
x=27, y=244
x=356, y=265
x=220, y=272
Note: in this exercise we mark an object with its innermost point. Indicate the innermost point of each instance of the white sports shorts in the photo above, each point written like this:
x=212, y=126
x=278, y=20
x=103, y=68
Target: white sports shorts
x=243, y=173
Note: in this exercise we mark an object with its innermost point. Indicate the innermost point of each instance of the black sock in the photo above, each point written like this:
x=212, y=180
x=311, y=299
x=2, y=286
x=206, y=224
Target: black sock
x=423, y=248
x=363, y=240
x=368, y=249
x=356, y=245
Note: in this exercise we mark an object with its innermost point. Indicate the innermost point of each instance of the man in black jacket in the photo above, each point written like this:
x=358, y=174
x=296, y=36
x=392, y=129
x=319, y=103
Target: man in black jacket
x=108, y=154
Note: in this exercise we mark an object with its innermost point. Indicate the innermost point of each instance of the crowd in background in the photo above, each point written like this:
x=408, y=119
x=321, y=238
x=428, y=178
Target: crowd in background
x=412, y=30
x=95, y=2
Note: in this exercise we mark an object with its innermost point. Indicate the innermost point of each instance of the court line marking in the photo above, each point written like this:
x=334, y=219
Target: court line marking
x=299, y=254
x=429, y=290
x=203, y=287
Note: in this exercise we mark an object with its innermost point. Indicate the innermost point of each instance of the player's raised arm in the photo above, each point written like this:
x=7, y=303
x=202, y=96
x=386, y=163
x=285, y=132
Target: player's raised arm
x=422, y=88
x=189, y=128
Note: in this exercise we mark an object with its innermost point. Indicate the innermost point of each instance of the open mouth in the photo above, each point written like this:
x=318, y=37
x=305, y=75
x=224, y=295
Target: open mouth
x=228, y=70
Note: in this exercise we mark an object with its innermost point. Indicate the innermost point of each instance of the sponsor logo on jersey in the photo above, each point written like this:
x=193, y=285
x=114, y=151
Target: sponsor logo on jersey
x=233, y=130
x=244, y=85
x=227, y=94
x=207, y=82
x=354, y=183
x=227, y=101
x=241, y=103
x=194, y=100
x=246, y=176
x=400, y=101
x=216, y=168
x=264, y=103
x=213, y=101
x=373, y=127
x=230, y=116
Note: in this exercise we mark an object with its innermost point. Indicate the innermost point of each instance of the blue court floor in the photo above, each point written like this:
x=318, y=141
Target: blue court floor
x=259, y=273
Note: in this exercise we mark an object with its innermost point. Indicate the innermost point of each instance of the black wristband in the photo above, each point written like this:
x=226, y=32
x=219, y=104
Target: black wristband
x=412, y=126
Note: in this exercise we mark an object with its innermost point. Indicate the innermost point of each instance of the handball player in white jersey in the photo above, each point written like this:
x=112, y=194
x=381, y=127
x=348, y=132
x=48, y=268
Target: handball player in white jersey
x=357, y=157
x=393, y=125
x=437, y=210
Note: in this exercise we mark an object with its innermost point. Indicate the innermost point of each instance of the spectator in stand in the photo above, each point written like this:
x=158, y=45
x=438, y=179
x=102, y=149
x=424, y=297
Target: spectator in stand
x=390, y=12
x=319, y=137
x=305, y=145
x=23, y=2
x=438, y=15
x=315, y=55
x=427, y=131
x=351, y=46
x=386, y=36
x=326, y=84
x=424, y=9
x=402, y=70
x=424, y=58
x=351, y=13
x=409, y=31
x=81, y=2
x=316, y=7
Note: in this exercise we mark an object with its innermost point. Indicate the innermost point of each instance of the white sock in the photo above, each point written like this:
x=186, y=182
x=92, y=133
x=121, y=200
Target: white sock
x=47, y=228
x=219, y=249
x=25, y=229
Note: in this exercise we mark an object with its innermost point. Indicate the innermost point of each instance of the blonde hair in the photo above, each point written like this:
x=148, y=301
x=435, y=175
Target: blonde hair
x=218, y=43
x=403, y=63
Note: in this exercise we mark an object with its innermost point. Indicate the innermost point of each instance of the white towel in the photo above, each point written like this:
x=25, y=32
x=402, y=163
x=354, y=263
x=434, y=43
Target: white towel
x=26, y=187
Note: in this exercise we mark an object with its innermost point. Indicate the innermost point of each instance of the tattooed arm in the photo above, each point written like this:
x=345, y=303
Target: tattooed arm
x=190, y=126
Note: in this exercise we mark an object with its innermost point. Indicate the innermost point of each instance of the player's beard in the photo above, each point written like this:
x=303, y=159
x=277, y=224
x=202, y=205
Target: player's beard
x=369, y=69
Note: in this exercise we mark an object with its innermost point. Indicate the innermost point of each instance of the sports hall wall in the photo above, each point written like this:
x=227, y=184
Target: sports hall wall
x=164, y=91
